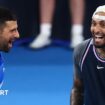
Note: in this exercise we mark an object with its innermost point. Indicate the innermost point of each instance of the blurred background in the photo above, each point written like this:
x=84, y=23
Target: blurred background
x=28, y=17
x=42, y=76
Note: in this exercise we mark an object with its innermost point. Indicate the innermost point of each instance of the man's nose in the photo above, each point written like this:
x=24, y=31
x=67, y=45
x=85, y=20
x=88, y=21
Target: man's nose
x=17, y=34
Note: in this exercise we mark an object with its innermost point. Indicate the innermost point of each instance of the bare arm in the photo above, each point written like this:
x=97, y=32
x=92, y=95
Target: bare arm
x=78, y=86
x=77, y=93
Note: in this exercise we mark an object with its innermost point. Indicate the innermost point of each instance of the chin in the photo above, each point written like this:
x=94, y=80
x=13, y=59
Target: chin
x=99, y=46
x=6, y=50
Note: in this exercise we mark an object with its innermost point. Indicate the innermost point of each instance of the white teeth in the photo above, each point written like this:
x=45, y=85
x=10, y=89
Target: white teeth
x=98, y=36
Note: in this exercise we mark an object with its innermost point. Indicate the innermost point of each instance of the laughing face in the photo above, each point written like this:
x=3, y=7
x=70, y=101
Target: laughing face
x=8, y=34
x=98, y=30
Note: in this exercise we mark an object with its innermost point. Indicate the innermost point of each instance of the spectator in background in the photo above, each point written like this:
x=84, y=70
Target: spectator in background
x=46, y=15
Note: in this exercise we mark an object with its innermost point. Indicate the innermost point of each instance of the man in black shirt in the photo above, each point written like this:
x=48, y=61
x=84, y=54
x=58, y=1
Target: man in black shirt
x=89, y=65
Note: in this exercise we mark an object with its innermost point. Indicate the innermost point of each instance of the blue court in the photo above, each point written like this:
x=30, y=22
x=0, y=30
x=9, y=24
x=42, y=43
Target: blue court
x=42, y=77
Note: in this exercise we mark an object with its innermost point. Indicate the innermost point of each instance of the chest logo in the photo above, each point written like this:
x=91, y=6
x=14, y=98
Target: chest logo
x=99, y=67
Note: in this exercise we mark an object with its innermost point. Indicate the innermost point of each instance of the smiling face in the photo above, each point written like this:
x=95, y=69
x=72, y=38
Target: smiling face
x=8, y=33
x=98, y=29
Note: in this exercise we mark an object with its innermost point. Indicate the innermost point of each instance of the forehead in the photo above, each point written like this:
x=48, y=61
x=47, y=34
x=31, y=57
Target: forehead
x=10, y=24
x=101, y=22
x=98, y=21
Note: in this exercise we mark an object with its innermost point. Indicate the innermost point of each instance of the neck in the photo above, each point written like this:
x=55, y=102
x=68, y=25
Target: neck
x=101, y=52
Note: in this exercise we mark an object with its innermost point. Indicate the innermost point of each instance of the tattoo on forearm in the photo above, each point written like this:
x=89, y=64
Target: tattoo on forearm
x=76, y=97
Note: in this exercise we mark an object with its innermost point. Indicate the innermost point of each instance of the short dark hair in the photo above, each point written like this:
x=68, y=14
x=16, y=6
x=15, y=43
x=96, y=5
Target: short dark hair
x=6, y=15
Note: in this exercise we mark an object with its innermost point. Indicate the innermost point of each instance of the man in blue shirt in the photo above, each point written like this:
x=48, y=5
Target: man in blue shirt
x=8, y=34
x=89, y=65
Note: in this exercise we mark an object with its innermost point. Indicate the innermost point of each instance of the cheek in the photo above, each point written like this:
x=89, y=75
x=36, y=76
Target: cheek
x=5, y=39
x=104, y=31
x=91, y=29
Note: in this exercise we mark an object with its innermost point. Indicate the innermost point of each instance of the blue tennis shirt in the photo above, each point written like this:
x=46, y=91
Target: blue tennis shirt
x=1, y=68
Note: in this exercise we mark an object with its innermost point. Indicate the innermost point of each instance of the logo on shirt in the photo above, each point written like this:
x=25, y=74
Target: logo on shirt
x=99, y=67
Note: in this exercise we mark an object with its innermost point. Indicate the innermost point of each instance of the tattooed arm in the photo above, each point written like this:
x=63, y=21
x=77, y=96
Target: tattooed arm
x=77, y=93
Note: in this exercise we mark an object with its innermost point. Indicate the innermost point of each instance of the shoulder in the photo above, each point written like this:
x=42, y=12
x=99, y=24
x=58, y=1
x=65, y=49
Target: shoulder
x=80, y=50
x=82, y=46
x=1, y=58
x=0, y=54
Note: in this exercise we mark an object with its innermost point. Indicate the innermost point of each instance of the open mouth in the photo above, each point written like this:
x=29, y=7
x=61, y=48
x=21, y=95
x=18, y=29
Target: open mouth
x=99, y=37
x=10, y=43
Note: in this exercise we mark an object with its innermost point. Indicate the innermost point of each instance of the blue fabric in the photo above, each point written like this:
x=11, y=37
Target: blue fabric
x=1, y=68
x=1, y=73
